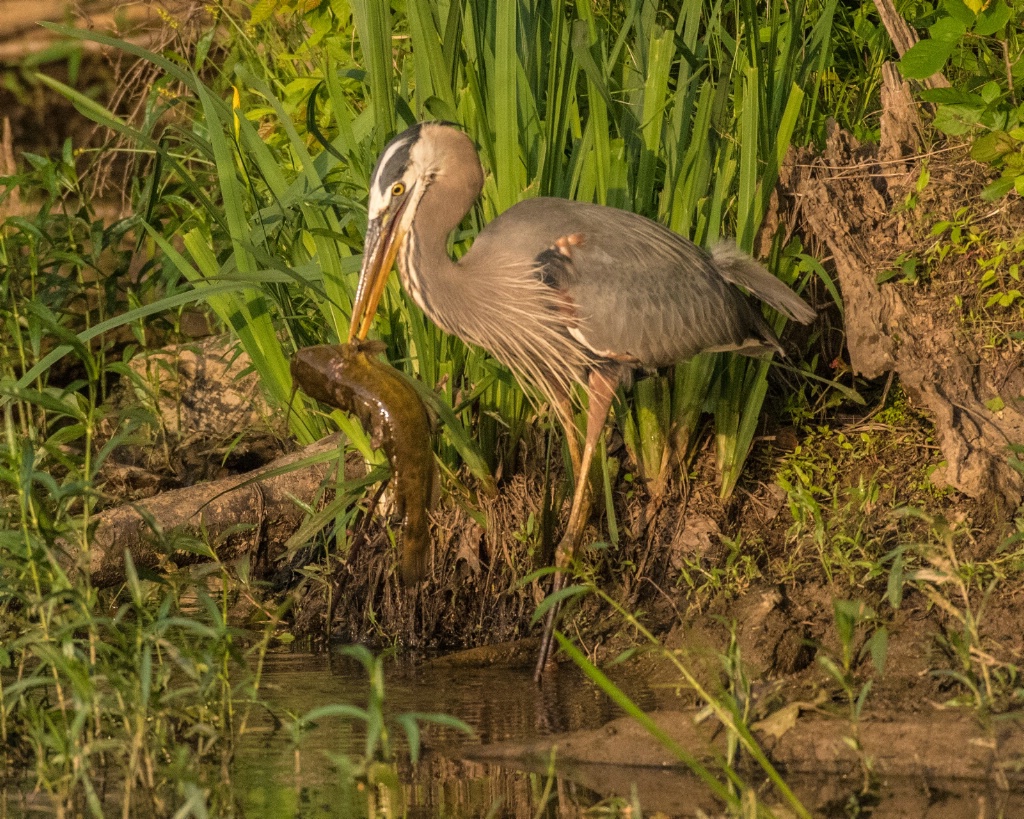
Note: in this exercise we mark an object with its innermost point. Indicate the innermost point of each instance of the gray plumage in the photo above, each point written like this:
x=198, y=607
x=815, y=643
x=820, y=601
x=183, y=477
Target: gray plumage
x=640, y=293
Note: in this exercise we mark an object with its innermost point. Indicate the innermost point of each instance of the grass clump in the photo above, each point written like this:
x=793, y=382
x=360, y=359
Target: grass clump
x=128, y=701
x=685, y=119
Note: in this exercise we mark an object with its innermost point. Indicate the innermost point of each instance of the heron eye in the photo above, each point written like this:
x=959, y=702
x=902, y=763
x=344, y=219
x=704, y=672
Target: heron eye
x=397, y=189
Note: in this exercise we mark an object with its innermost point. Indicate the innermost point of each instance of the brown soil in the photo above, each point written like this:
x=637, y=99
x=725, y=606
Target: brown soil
x=930, y=320
x=932, y=765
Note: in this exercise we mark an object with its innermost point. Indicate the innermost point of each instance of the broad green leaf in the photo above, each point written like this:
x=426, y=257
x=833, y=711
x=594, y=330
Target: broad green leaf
x=952, y=96
x=1001, y=187
x=926, y=58
x=993, y=18
x=956, y=119
x=948, y=30
x=992, y=146
x=991, y=91
x=964, y=11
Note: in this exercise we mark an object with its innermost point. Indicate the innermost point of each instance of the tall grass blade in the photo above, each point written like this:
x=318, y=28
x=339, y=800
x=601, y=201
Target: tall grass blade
x=618, y=696
x=373, y=26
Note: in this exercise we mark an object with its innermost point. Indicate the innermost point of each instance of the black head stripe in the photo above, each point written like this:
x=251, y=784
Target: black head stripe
x=395, y=159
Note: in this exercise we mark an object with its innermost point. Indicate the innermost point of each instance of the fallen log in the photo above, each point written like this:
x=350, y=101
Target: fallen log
x=22, y=36
x=251, y=514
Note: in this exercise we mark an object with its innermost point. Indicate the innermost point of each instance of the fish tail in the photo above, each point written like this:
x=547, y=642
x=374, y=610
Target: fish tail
x=415, y=544
x=414, y=558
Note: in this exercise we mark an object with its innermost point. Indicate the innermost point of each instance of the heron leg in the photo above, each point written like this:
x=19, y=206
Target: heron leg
x=601, y=390
x=563, y=411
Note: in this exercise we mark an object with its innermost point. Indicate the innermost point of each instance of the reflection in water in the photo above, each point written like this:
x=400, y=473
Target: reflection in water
x=278, y=776
x=272, y=779
x=500, y=704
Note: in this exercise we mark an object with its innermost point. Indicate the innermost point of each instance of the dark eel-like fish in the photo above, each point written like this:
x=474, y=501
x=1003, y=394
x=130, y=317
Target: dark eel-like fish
x=349, y=377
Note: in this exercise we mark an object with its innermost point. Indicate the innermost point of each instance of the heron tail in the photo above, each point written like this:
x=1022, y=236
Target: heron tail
x=738, y=268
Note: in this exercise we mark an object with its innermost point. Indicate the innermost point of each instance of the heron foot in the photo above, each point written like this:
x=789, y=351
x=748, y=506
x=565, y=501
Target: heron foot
x=545, y=660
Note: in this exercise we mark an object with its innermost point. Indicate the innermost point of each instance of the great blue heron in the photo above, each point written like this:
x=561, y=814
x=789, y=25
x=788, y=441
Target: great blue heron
x=561, y=292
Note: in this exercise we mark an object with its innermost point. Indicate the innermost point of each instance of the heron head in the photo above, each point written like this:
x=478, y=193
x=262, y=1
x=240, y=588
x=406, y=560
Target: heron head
x=427, y=157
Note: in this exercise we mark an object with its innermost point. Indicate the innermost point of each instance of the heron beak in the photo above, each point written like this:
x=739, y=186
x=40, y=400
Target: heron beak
x=384, y=236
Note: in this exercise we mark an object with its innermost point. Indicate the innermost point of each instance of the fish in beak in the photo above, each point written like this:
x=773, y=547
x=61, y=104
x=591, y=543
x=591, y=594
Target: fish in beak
x=384, y=236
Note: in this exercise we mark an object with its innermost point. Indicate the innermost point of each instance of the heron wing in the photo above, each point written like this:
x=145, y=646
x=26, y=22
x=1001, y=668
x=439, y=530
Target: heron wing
x=638, y=291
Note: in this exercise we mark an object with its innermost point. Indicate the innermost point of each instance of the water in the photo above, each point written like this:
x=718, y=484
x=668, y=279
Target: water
x=273, y=776
x=504, y=705
x=500, y=704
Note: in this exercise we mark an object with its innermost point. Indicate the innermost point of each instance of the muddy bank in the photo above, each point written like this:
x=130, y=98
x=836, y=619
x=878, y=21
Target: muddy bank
x=947, y=765
x=906, y=738
x=942, y=745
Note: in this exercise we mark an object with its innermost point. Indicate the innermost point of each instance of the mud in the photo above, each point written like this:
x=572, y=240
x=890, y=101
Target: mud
x=915, y=737
x=944, y=749
x=910, y=312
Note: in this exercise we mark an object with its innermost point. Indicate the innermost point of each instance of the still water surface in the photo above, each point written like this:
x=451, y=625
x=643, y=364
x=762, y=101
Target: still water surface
x=273, y=776
x=500, y=704
x=504, y=705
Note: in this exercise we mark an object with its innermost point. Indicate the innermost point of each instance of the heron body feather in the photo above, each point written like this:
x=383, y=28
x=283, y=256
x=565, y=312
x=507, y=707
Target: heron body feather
x=640, y=292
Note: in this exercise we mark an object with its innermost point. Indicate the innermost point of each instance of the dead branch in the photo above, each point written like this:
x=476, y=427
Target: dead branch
x=251, y=514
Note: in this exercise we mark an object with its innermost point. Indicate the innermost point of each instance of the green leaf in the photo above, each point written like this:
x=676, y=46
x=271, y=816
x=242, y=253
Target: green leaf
x=926, y=58
x=964, y=12
x=372, y=20
x=999, y=188
x=992, y=19
x=992, y=146
x=956, y=119
x=878, y=645
x=410, y=724
x=556, y=598
x=948, y=30
x=334, y=710
x=991, y=91
x=995, y=404
x=952, y=96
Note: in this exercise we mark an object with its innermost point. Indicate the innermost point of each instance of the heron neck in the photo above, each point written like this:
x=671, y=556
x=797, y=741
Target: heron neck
x=428, y=273
x=431, y=281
